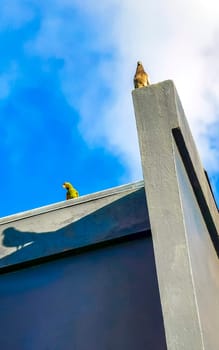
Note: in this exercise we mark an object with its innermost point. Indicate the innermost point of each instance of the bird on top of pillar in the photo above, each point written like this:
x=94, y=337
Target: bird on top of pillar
x=141, y=78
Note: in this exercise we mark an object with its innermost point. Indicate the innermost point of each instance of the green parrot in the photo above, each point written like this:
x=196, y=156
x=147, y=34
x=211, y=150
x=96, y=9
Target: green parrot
x=71, y=191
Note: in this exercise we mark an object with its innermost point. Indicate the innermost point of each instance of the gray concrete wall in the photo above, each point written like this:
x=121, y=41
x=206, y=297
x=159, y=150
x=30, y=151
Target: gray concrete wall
x=203, y=260
x=184, y=226
x=72, y=224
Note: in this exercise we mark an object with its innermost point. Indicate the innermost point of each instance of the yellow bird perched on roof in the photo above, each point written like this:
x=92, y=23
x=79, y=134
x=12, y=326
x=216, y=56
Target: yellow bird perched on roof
x=71, y=191
x=141, y=78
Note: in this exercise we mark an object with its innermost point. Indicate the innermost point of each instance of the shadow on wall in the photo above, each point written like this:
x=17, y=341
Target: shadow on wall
x=124, y=216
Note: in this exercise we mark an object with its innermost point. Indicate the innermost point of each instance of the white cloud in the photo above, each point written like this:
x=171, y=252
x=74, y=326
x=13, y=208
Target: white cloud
x=175, y=40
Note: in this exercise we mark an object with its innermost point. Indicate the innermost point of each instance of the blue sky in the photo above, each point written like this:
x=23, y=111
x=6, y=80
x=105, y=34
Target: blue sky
x=66, y=70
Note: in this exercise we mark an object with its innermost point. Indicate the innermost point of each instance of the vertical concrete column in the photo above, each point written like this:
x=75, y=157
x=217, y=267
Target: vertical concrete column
x=158, y=111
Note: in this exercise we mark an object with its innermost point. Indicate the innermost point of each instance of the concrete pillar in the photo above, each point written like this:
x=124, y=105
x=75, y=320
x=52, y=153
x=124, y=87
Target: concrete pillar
x=184, y=239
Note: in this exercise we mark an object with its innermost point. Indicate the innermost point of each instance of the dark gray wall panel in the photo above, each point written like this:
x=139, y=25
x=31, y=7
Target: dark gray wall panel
x=106, y=299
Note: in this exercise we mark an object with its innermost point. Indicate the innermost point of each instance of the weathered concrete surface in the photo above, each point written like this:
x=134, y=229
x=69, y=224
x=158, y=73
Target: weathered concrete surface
x=72, y=224
x=182, y=245
x=161, y=103
x=203, y=258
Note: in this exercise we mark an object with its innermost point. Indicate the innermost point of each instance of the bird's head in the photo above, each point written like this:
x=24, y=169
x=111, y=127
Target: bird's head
x=139, y=63
x=67, y=185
